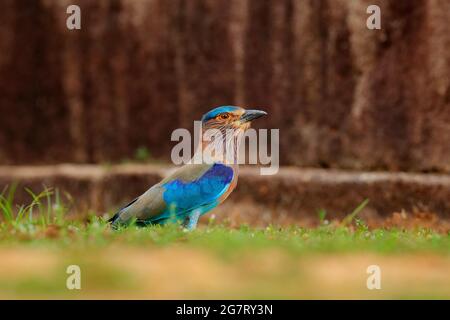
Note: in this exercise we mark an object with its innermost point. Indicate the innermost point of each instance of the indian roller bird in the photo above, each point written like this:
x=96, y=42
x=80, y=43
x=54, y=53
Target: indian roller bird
x=195, y=188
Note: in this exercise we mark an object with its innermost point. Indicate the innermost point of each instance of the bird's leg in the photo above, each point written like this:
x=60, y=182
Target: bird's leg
x=190, y=223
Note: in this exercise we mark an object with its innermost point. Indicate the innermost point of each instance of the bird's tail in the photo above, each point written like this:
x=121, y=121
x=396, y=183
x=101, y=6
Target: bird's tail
x=113, y=218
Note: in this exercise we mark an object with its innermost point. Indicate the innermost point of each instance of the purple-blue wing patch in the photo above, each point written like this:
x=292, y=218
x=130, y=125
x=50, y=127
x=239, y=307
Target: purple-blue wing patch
x=205, y=190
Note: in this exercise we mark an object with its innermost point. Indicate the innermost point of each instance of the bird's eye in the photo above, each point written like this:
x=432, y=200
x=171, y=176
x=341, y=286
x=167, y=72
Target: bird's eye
x=224, y=116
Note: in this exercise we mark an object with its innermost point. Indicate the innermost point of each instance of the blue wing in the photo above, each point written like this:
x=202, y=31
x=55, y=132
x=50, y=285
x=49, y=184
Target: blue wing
x=206, y=189
x=192, y=187
x=183, y=197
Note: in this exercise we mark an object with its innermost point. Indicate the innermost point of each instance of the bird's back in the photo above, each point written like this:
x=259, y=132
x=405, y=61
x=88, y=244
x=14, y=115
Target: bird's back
x=193, y=187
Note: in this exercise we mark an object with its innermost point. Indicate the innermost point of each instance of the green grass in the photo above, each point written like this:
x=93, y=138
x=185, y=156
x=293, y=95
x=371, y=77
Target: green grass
x=221, y=239
x=40, y=239
x=44, y=222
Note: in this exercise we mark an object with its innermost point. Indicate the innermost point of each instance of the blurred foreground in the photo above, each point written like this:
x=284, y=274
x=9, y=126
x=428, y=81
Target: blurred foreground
x=218, y=262
x=319, y=255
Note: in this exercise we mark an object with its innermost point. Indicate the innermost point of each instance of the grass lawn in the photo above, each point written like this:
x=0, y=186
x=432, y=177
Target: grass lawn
x=38, y=242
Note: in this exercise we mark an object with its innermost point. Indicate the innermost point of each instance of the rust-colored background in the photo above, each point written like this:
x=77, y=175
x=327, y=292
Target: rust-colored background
x=343, y=96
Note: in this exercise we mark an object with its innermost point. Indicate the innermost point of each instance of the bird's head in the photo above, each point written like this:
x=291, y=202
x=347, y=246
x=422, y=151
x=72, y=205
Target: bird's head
x=230, y=117
x=223, y=128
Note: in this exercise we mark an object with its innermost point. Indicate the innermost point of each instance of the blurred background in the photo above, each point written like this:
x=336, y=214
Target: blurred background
x=343, y=96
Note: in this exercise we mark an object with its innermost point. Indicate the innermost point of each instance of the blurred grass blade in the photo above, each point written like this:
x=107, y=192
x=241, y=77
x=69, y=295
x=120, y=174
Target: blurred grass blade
x=49, y=204
x=5, y=208
x=11, y=194
x=37, y=202
x=322, y=214
x=348, y=219
x=6, y=203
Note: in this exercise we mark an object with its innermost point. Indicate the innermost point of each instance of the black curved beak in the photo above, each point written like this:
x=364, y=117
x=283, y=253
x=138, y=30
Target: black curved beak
x=250, y=115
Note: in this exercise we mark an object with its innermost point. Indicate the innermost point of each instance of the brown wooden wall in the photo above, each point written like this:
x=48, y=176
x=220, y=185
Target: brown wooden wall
x=342, y=95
